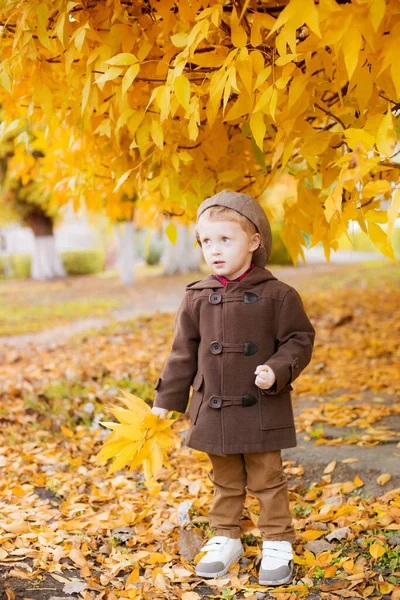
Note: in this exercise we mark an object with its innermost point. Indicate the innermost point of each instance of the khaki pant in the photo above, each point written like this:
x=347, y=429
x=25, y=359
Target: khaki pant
x=262, y=473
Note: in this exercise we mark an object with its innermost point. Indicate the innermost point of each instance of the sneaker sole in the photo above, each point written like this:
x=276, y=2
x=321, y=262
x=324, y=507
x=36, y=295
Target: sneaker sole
x=276, y=581
x=225, y=570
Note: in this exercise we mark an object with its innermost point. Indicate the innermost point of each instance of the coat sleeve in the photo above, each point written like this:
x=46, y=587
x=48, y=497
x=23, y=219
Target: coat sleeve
x=295, y=339
x=177, y=376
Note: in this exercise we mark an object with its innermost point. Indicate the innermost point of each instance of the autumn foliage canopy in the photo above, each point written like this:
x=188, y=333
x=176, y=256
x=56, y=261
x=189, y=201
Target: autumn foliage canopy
x=168, y=102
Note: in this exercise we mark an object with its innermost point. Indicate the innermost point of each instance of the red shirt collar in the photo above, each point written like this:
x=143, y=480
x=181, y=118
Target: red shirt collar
x=224, y=280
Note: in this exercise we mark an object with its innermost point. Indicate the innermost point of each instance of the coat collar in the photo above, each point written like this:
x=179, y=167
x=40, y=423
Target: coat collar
x=256, y=275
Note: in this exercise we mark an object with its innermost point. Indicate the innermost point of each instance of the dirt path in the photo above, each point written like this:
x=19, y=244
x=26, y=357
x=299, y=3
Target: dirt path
x=368, y=461
x=156, y=293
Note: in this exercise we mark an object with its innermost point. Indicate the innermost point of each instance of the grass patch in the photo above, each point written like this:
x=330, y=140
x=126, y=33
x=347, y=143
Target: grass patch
x=18, y=318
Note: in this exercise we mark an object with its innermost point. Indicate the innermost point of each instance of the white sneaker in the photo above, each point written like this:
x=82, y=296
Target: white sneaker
x=221, y=552
x=277, y=563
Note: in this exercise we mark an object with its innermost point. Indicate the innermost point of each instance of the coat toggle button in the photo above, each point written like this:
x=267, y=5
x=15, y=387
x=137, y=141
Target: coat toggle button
x=216, y=347
x=215, y=298
x=215, y=401
x=248, y=400
x=250, y=298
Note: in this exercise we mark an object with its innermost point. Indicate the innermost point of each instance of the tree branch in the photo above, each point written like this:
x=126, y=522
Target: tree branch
x=330, y=114
x=189, y=147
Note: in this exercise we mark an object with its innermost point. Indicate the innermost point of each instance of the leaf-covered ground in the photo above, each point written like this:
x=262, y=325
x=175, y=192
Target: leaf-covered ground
x=69, y=530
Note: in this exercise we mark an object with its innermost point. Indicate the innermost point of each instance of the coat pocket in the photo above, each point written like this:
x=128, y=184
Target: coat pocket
x=275, y=411
x=197, y=397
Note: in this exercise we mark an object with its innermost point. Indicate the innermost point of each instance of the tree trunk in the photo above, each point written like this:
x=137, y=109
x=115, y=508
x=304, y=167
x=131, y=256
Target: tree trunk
x=46, y=260
x=125, y=234
x=183, y=256
x=4, y=255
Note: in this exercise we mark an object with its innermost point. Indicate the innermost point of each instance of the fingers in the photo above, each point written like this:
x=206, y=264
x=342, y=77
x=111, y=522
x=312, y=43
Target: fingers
x=160, y=412
x=261, y=368
x=264, y=383
x=265, y=377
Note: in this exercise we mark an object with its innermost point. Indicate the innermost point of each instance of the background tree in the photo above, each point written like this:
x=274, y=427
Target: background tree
x=184, y=100
x=24, y=200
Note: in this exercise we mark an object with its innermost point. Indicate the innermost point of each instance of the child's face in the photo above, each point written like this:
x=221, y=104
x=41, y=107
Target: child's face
x=226, y=247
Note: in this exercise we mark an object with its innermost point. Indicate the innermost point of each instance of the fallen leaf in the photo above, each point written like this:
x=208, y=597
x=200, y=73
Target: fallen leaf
x=377, y=550
x=319, y=546
x=368, y=591
x=384, y=478
x=17, y=527
x=190, y=596
x=67, y=432
x=75, y=586
x=338, y=534
x=386, y=588
x=330, y=468
x=311, y=534
x=330, y=571
x=189, y=543
x=77, y=557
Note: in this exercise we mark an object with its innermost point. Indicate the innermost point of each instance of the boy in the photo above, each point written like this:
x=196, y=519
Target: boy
x=241, y=338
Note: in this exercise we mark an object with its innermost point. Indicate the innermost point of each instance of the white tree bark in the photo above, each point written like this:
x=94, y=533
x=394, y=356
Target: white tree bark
x=125, y=234
x=183, y=256
x=46, y=260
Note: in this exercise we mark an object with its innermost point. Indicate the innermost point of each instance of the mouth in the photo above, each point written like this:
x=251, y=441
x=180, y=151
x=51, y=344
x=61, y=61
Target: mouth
x=218, y=263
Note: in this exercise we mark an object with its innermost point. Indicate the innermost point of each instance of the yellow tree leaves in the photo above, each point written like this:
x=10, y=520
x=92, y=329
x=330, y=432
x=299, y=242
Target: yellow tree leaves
x=171, y=233
x=258, y=127
x=380, y=240
x=386, y=137
x=310, y=90
x=182, y=90
x=293, y=16
x=238, y=33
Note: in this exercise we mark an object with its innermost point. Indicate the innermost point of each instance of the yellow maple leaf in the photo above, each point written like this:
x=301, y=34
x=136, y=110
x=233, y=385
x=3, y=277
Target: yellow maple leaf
x=139, y=438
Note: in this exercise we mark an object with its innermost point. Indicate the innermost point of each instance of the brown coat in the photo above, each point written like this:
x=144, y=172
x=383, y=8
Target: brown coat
x=221, y=335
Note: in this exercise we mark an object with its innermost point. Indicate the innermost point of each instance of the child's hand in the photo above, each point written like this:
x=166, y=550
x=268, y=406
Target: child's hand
x=265, y=377
x=160, y=412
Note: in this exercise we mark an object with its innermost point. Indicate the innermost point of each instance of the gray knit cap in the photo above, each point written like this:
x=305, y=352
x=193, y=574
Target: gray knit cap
x=248, y=207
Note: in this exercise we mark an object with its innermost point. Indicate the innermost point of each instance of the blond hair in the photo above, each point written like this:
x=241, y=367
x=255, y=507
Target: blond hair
x=222, y=213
